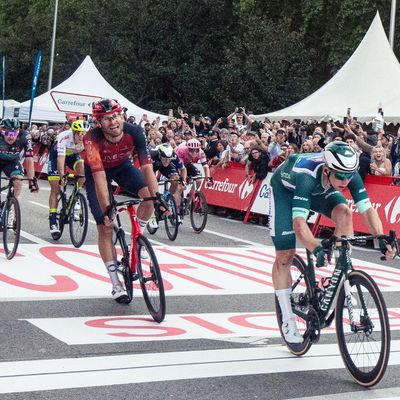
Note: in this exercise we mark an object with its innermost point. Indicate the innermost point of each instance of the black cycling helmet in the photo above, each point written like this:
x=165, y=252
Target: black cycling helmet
x=11, y=124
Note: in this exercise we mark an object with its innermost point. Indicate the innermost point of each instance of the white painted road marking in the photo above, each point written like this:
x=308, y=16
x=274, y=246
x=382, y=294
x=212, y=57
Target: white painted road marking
x=141, y=328
x=64, y=272
x=26, y=376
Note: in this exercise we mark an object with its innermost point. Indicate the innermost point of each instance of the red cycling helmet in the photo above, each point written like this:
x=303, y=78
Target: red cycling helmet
x=104, y=107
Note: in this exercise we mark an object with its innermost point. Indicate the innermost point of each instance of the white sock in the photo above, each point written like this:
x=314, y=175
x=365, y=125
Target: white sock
x=142, y=222
x=283, y=296
x=112, y=271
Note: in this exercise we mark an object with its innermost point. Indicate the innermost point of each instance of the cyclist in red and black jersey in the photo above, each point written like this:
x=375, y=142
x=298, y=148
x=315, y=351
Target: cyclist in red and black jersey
x=108, y=156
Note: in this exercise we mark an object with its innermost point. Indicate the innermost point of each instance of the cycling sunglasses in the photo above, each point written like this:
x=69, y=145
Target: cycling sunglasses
x=7, y=132
x=342, y=176
x=194, y=150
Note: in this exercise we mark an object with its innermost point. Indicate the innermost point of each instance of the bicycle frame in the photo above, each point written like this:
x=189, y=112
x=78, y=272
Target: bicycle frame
x=68, y=203
x=135, y=232
x=323, y=305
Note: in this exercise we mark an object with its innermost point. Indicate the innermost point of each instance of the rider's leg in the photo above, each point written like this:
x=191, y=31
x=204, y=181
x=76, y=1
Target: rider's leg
x=54, y=190
x=282, y=280
x=79, y=168
x=146, y=208
x=17, y=184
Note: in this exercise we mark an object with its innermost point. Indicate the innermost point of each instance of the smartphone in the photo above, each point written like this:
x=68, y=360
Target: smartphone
x=349, y=111
x=345, y=120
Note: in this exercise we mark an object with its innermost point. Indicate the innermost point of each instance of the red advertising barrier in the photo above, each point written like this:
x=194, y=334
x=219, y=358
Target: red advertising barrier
x=385, y=198
x=230, y=189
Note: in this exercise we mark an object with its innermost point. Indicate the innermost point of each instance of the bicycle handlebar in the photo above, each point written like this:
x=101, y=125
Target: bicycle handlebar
x=391, y=239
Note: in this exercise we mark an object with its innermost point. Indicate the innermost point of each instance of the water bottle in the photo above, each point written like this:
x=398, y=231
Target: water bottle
x=77, y=211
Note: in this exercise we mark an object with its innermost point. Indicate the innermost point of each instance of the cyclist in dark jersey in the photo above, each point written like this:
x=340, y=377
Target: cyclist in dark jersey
x=14, y=141
x=168, y=163
x=108, y=156
x=314, y=182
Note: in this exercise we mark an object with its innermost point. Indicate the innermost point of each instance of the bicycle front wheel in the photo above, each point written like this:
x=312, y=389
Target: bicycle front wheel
x=365, y=347
x=60, y=219
x=150, y=279
x=198, y=212
x=79, y=219
x=171, y=221
x=124, y=265
x=301, y=295
x=11, y=227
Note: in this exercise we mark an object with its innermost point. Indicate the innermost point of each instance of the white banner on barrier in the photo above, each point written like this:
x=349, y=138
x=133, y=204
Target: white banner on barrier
x=261, y=202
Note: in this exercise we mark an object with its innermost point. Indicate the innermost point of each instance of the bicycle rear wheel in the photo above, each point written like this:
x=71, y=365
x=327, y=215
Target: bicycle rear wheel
x=60, y=218
x=150, y=279
x=301, y=295
x=78, y=221
x=365, y=348
x=171, y=221
x=198, y=212
x=124, y=267
x=11, y=227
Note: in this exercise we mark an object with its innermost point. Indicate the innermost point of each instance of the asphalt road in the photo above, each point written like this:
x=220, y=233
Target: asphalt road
x=63, y=337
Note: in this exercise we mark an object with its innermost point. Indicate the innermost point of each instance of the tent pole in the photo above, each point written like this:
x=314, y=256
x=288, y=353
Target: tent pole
x=392, y=23
x=53, y=44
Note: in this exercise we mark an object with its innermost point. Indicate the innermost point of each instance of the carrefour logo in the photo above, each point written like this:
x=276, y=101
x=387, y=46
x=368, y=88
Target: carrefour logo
x=392, y=210
x=245, y=189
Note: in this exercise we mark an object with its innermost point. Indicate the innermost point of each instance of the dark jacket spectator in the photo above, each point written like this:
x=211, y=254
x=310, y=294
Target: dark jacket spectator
x=258, y=162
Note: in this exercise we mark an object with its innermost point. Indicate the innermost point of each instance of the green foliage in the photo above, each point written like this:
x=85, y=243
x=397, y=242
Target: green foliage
x=207, y=57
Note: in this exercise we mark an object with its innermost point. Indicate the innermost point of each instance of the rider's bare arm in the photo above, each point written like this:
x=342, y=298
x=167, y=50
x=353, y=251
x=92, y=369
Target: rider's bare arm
x=304, y=234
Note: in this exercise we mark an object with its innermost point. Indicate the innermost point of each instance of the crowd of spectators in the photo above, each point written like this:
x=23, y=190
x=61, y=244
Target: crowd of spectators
x=259, y=147
x=262, y=146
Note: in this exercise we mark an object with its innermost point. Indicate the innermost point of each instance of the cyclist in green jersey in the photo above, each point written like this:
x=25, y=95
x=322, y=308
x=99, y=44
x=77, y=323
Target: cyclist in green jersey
x=307, y=182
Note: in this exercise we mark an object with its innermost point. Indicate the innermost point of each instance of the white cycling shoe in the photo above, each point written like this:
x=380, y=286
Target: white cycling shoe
x=290, y=332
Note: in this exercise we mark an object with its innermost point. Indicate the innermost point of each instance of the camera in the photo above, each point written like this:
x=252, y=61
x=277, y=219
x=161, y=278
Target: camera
x=240, y=109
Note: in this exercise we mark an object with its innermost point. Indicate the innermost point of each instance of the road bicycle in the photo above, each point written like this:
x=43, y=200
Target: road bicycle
x=195, y=204
x=171, y=221
x=138, y=260
x=10, y=217
x=351, y=298
x=72, y=210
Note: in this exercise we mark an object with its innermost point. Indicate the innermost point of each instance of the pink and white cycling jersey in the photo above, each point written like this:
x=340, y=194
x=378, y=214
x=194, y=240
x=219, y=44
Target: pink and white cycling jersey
x=187, y=158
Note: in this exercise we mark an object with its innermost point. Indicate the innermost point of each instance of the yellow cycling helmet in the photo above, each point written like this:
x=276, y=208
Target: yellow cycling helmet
x=80, y=126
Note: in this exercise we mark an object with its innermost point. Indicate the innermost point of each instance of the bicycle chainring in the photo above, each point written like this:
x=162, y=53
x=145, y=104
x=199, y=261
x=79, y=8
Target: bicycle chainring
x=313, y=325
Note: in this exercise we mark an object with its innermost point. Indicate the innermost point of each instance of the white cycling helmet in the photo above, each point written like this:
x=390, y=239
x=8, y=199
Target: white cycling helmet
x=165, y=151
x=339, y=156
x=193, y=144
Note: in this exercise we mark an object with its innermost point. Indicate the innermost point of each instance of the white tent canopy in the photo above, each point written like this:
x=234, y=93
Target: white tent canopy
x=10, y=108
x=76, y=94
x=370, y=78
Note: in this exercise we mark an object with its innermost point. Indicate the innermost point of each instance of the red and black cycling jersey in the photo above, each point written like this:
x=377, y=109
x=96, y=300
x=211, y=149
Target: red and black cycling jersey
x=100, y=154
x=12, y=152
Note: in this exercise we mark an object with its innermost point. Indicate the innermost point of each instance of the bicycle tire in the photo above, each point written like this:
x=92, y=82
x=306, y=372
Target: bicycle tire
x=78, y=227
x=300, y=287
x=372, y=367
x=60, y=217
x=150, y=280
x=198, y=208
x=124, y=267
x=11, y=229
x=171, y=221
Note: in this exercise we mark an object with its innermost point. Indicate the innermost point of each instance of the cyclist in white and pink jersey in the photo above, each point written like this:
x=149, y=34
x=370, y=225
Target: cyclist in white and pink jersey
x=192, y=154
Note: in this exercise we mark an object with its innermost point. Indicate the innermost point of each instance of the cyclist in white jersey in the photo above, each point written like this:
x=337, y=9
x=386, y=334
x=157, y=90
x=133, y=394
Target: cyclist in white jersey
x=65, y=152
